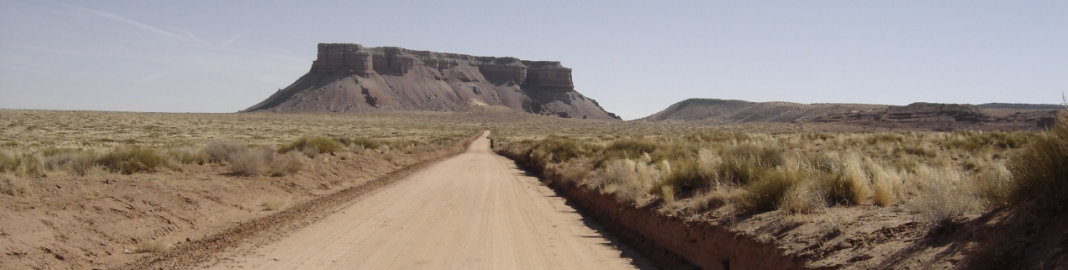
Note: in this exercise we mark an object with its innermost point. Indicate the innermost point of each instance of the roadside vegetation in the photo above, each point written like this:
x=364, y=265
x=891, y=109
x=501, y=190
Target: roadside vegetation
x=51, y=144
x=939, y=176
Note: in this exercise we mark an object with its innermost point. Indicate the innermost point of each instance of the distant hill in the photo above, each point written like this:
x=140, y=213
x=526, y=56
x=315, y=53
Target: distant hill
x=932, y=116
x=350, y=77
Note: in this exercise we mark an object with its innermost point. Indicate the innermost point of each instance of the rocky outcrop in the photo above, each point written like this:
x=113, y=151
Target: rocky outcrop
x=350, y=77
x=926, y=116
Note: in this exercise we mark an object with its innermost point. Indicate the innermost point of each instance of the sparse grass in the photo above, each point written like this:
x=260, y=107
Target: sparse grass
x=941, y=176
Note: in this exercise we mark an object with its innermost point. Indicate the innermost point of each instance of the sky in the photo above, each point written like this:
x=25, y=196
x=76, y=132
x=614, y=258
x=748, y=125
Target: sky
x=634, y=57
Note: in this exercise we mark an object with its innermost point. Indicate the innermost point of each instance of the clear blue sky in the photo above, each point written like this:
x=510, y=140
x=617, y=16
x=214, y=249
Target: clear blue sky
x=634, y=57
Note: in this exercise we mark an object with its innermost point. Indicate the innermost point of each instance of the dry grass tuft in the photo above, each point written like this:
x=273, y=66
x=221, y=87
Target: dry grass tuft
x=943, y=196
x=1041, y=171
x=250, y=162
x=768, y=190
x=131, y=160
x=219, y=151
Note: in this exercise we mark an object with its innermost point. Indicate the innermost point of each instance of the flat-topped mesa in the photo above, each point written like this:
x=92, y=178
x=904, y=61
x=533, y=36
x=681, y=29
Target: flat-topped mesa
x=359, y=60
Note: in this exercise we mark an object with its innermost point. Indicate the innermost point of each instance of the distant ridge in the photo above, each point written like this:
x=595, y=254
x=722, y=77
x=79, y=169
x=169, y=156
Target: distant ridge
x=350, y=77
x=933, y=116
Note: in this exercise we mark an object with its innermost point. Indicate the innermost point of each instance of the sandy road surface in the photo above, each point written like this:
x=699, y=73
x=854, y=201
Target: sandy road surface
x=472, y=211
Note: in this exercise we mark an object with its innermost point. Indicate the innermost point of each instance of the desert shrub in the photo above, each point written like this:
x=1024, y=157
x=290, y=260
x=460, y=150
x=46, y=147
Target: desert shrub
x=742, y=164
x=8, y=162
x=250, y=161
x=1040, y=171
x=76, y=161
x=189, y=155
x=845, y=182
x=312, y=146
x=686, y=177
x=942, y=197
x=883, y=181
x=995, y=186
x=767, y=190
x=286, y=164
x=131, y=160
x=627, y=179
x=219, y=151
x=804, y=196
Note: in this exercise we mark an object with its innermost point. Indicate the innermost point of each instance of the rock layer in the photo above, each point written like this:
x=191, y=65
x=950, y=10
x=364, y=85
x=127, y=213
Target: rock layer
x=350, y=77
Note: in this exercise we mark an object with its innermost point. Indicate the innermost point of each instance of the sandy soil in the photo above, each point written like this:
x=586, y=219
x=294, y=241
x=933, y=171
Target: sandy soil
x=473, y=211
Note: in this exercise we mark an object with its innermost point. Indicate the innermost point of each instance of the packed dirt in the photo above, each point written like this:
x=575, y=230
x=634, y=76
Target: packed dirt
x=475, y=210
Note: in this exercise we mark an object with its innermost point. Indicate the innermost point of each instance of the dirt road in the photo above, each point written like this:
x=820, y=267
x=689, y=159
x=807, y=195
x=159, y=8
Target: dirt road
x=472, y=211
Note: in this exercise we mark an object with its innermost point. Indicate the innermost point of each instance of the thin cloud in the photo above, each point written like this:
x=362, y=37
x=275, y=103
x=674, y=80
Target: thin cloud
x=232, y=39
x=183, y=37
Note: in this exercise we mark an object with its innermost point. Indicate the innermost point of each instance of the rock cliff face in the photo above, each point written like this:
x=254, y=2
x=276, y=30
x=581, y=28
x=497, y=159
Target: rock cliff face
x=350, y=77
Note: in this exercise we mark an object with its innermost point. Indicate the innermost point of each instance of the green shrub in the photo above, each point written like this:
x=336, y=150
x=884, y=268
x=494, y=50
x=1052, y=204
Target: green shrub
x=132, y=160
x=767, y=191
x=312, y=145
x=1040, y=171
